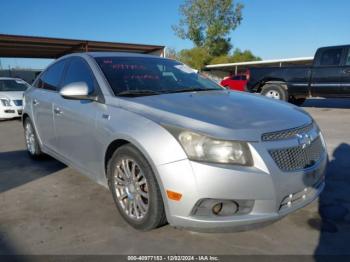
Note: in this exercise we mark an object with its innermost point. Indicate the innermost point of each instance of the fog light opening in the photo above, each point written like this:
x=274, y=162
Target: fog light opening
x=225, y=208
x=222, y=208
x=217, y=208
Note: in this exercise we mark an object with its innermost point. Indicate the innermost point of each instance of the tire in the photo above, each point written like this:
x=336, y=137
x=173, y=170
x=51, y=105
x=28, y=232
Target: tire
x=129, y=193
x=275, y=91
x=31, y=140
x=297, y=101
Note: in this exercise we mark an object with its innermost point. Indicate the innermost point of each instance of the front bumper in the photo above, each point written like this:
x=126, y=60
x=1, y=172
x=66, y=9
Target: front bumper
x=269, y=188
x=10, y=112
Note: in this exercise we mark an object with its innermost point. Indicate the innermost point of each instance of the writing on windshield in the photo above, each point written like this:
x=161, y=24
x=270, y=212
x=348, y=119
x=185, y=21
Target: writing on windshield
x=152, y=74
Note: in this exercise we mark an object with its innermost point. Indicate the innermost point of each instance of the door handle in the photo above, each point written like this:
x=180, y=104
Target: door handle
x=346, y=71
x=35, y=102
x=57, y=111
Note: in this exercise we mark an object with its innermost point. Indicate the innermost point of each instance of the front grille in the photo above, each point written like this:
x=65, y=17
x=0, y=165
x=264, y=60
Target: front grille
x=298, y=158
x=18, y=102
x=285, y=134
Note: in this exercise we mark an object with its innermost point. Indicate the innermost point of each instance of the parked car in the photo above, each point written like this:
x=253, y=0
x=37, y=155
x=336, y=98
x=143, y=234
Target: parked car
x=235, y=82
x=11, y=94
x=329, y=76
x=172, y=145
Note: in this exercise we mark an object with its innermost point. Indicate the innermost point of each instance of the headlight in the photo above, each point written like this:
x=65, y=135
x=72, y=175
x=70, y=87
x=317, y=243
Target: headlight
x=5, y=102
x=203, y=148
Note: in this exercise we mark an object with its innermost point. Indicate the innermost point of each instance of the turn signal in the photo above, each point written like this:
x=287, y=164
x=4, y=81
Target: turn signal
x=174, y=195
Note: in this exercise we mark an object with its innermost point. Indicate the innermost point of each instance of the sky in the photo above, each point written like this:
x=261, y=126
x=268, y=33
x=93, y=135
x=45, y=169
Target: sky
x=271, y=29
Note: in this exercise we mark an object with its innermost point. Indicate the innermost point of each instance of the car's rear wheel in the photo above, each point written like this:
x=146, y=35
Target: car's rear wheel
x=31, y=139
x=274, y=91
x=135, y=190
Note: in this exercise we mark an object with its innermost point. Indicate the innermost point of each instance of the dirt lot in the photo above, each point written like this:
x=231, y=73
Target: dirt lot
x=48, y=208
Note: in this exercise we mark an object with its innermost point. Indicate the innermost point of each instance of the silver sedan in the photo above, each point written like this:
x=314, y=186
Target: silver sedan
x=173, y=146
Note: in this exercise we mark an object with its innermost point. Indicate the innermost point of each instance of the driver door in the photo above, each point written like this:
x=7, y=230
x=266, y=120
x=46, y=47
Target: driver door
x=75, y=119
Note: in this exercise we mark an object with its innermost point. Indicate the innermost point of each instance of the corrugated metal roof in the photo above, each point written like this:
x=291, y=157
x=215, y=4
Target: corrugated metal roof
x=46, y=47
x=262, y=62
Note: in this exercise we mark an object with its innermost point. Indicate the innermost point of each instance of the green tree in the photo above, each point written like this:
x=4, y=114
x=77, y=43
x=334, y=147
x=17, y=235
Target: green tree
x=246, y=55
x=196, y=57
x=207, y=23
x=237, y=56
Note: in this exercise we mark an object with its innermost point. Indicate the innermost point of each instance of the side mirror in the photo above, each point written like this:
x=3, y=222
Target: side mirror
x=76, y=91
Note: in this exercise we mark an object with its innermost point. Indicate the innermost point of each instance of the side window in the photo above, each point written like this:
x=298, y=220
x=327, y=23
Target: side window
x=347, y=61
x=79, y=71
x=331, y=57
x=51, y=78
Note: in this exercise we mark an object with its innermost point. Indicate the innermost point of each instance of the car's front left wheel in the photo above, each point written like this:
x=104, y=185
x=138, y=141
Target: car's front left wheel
x=135, y=190
x=31, y=139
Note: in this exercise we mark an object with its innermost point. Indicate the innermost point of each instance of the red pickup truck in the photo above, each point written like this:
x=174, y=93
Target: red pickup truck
x=235, y=82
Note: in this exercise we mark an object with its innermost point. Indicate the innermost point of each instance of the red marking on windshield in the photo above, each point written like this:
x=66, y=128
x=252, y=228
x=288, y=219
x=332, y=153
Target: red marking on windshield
x=145, y=76
x=128, y=67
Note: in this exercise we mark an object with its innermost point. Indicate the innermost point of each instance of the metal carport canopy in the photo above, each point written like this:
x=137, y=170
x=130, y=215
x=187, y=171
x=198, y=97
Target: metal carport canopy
x=235, y=67
x=45, y=47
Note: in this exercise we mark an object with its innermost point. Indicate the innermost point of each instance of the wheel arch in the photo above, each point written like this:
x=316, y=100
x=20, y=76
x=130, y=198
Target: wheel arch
x=112, y=147
x=278, y=81
x=117, y=143
x=24, y=117
x=121, y=141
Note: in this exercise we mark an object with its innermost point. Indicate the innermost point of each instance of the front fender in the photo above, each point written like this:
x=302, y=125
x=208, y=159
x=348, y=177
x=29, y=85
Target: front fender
x=156, y=144
x=153, y=140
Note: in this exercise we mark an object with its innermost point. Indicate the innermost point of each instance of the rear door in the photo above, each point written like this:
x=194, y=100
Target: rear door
x=327, y=73
x=75, y=119
x=42, y=102
x=346, y=75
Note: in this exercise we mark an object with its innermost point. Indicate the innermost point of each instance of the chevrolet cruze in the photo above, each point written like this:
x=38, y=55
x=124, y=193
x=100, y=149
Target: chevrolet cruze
x=171, y=145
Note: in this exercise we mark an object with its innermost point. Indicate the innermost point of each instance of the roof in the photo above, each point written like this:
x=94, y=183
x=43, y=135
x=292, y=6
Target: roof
x=117, y=54
x=45, y=47
x=263, y=62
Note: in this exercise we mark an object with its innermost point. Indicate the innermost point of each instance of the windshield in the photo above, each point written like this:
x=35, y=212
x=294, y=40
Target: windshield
x=13, y=85
x=152, y=76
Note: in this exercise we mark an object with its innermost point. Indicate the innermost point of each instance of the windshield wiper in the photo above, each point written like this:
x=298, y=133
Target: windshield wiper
x=133, y=93
x=194, y=89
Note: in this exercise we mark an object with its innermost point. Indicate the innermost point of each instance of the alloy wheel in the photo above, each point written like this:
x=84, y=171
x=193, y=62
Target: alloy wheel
x=131, y=188
x=273, y=94
x=30, y=138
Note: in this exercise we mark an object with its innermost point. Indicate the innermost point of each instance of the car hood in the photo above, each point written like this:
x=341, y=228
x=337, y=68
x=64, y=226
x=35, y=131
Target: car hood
x=221, y=114
x=12, y=95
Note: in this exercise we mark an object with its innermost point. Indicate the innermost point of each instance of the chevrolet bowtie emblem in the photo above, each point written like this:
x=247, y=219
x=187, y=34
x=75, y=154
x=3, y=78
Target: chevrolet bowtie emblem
x=304, y=140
